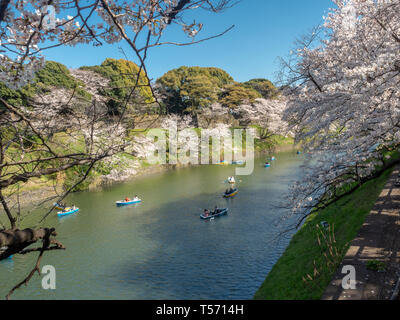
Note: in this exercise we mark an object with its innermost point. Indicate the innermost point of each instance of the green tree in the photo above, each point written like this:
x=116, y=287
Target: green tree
x=198, y=92
x=53, y=75
x=190, y=88
x=235, y=94
x=123, y=76
x=264, y=87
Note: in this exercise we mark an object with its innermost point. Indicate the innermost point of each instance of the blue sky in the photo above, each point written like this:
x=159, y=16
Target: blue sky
x=264, y=30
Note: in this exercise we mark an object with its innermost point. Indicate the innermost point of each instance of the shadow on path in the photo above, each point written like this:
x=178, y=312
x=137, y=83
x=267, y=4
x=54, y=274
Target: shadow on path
x=378, y=239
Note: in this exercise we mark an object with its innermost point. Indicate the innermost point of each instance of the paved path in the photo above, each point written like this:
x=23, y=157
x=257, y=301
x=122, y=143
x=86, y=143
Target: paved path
x=378, y=239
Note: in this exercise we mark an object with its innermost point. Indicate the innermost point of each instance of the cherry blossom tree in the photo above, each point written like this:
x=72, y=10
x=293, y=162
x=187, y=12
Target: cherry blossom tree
x=344, y=102
x=266, y=113
x=215, y=113
x=40, y=139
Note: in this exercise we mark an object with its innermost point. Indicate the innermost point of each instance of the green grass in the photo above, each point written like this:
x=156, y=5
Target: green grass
x=285, y=281
x=376, y=265
x=273, y=141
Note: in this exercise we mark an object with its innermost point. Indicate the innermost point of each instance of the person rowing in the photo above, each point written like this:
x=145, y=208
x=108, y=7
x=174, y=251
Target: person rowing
x=60, y=204
x=66, y=209
x=215, y=210
x=229, y=191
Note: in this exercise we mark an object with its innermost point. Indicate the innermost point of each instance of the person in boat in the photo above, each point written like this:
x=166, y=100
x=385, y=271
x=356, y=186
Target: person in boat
x=127, y=199
x=216, y=210
x=61, y=205
x=206, y=213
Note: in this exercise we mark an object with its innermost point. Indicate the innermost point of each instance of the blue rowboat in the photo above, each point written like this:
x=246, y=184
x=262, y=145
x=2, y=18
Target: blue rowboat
x=127, y=203
x=267, y=165
x=67, y=211
x=220, y=212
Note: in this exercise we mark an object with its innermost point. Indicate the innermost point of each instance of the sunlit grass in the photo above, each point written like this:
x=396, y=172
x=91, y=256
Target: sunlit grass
x=285, y=280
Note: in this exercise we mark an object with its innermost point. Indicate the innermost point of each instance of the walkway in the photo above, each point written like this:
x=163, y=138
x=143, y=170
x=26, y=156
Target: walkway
x=378, y=239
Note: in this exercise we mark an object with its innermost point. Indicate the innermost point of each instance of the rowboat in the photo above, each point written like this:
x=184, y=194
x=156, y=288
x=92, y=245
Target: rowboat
x=67, y=211
x=220, y=212
x=127, y=203
x=267, y=165
x=239, y=162
x=224, y=163
x=231, y=194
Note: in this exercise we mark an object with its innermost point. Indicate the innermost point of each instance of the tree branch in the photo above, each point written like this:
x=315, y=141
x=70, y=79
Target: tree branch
x=36, y=268
x=3, y=8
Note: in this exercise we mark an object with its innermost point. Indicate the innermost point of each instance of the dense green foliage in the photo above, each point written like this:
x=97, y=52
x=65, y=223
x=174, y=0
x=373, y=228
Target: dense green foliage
x=264, y=87
x=53, y=74
x=285, y=280
x=56, y=75
x=235, y=94
x=17, y=97
x=176, y=78
x=123, y=76
x=190, y=88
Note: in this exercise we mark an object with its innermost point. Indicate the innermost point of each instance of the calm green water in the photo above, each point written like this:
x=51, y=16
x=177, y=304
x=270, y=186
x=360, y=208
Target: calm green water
x=160, y=249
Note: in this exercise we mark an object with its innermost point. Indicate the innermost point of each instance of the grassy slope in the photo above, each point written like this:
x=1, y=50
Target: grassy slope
x=272, y=143
x=284, y=282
